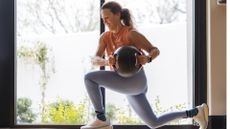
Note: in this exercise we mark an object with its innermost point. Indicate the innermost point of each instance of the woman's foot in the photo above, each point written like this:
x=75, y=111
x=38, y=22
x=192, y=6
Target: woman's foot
x=97, y=124
x=202, y=117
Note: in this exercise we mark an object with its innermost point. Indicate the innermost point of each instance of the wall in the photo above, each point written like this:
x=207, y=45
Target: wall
x=216, y=43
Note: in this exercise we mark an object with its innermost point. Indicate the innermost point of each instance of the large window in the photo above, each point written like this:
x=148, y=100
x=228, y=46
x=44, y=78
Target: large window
x=56, y=38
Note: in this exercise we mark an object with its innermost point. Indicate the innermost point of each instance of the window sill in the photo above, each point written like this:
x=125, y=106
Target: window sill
x=114, y=127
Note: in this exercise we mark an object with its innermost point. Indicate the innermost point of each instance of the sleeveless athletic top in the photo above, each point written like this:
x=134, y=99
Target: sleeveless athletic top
x=113, y=41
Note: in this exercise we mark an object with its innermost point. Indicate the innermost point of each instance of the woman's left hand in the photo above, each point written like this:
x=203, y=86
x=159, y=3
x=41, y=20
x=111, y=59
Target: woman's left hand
x=142, y=59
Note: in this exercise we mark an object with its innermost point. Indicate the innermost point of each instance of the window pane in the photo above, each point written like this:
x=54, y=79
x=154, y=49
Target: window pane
x=55, y=39
x=167, y=25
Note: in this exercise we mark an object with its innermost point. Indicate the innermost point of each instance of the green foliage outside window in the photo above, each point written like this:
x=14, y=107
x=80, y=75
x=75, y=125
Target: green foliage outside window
x=24, y=110
x=39, y=54
x=65, y=112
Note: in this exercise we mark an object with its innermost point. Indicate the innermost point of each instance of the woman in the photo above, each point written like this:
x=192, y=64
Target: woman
x=121, y=33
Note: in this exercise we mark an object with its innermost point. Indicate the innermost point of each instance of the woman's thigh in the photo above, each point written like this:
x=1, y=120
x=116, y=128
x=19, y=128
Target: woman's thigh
x=111, y=80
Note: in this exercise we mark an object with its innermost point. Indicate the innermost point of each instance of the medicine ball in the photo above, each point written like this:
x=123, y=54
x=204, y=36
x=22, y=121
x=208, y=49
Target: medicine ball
x=126, y=61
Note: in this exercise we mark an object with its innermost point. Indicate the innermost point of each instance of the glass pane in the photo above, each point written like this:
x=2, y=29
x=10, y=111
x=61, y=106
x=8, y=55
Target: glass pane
x=55, y=39
x=167, y=25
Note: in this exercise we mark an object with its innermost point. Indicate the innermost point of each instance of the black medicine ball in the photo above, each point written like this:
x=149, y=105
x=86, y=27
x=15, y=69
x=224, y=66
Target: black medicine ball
x=126, y=61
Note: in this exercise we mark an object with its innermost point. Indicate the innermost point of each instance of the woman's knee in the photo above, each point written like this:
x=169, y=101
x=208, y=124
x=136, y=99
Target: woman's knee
x=88, y=78
x=153, y=124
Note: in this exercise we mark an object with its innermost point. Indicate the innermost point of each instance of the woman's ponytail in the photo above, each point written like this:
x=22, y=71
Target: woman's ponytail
x=126, y=17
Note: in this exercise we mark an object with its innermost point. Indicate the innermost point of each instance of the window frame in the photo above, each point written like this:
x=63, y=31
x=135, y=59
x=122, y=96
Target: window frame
x=8, y=64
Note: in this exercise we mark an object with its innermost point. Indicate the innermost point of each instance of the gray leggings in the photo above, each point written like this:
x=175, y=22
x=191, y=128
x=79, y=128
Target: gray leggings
x=134, y=88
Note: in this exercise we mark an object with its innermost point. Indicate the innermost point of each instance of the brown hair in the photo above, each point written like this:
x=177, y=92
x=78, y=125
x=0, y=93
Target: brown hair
x=116, y=8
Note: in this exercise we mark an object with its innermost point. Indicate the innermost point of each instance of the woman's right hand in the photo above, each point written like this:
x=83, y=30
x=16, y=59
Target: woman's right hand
x=98, y=61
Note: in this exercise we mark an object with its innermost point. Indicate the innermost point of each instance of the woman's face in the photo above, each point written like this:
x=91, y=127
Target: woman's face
x=110, y=20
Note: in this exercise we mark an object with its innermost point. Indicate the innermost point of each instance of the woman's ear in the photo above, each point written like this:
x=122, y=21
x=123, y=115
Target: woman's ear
x=118, y=15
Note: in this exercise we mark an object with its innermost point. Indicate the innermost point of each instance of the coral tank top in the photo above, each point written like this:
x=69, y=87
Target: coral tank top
x=113, y=41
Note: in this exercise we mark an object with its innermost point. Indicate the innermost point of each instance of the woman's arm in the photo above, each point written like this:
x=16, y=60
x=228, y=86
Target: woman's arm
x=98, y=60
x=141, y=42
x=101, y=47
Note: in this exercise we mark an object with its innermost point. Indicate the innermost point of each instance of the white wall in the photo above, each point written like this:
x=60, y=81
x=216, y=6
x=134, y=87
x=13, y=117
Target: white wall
x=216, y=37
